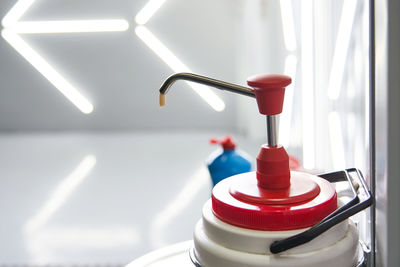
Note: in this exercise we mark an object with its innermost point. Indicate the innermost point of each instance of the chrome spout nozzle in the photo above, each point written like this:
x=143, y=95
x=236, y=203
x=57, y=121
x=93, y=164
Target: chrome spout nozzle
x=206, y=81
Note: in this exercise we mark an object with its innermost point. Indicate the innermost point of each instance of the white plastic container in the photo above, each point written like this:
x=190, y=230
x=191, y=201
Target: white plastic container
x=220, y=244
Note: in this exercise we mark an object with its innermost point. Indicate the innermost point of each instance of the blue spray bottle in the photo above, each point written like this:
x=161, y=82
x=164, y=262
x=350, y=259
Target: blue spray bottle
x=228, y=161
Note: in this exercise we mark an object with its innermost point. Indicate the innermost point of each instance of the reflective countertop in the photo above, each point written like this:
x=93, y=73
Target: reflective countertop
x=100, y=199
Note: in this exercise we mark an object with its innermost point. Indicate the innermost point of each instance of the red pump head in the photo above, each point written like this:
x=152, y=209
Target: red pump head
x=270, y=92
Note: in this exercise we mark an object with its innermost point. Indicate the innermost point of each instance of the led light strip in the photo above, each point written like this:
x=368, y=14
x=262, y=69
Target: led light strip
x=286, y=116
x=168, y=57
x=148, y=11
x=61, y=193
x=307, y=80
x=341, y=48
x=70, y=26
x=44, y=68
x=289, y=35
x=16, y=12
x=336, y=140
x=13, y=27
x=195, y=184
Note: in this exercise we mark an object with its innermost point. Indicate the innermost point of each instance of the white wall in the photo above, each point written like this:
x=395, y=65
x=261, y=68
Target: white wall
x=117, y=72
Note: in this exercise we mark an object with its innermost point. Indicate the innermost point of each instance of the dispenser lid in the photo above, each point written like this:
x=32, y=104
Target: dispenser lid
x=240, y=202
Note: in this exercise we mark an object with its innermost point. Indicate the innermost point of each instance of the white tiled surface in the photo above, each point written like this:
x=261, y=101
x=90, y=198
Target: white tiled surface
x=99, y=199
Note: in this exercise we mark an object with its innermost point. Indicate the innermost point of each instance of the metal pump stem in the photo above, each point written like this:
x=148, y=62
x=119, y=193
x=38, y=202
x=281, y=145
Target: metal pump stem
x=272, y=139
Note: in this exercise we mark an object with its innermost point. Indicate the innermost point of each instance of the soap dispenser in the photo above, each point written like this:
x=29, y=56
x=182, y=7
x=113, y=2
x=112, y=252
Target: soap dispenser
x=274, y=216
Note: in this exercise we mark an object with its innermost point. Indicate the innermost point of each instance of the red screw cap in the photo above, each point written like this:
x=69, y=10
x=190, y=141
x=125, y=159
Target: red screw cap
x=239, y=201
x=227, y=143
x=270, y=91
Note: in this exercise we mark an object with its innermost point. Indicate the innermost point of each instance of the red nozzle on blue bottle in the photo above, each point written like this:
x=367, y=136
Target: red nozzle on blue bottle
x=227, y=162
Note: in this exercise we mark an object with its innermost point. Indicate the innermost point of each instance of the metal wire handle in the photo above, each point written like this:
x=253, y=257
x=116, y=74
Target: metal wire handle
x=360, y=190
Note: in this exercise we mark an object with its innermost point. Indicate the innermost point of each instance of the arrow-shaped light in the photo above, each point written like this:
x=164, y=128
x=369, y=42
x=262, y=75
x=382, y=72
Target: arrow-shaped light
x=13, y=27
x=41, y=65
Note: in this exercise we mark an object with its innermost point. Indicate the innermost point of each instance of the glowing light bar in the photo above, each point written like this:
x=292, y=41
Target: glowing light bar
x=177, y=66
x=341, y=48
x=41, y=65
x=65, y=26
x=61, y=193
x=307, y=78
x=286, y=116
x=289, y=34
x=336, y=140
x=148, y=11
x=12, y=27
x=178, y=204
x=16, y=12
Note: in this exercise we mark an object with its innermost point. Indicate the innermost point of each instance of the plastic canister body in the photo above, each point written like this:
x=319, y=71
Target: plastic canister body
x=225, y=163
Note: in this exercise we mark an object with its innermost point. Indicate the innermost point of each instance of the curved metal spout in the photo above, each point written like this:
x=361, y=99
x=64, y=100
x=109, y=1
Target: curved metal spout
x=206, y=81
